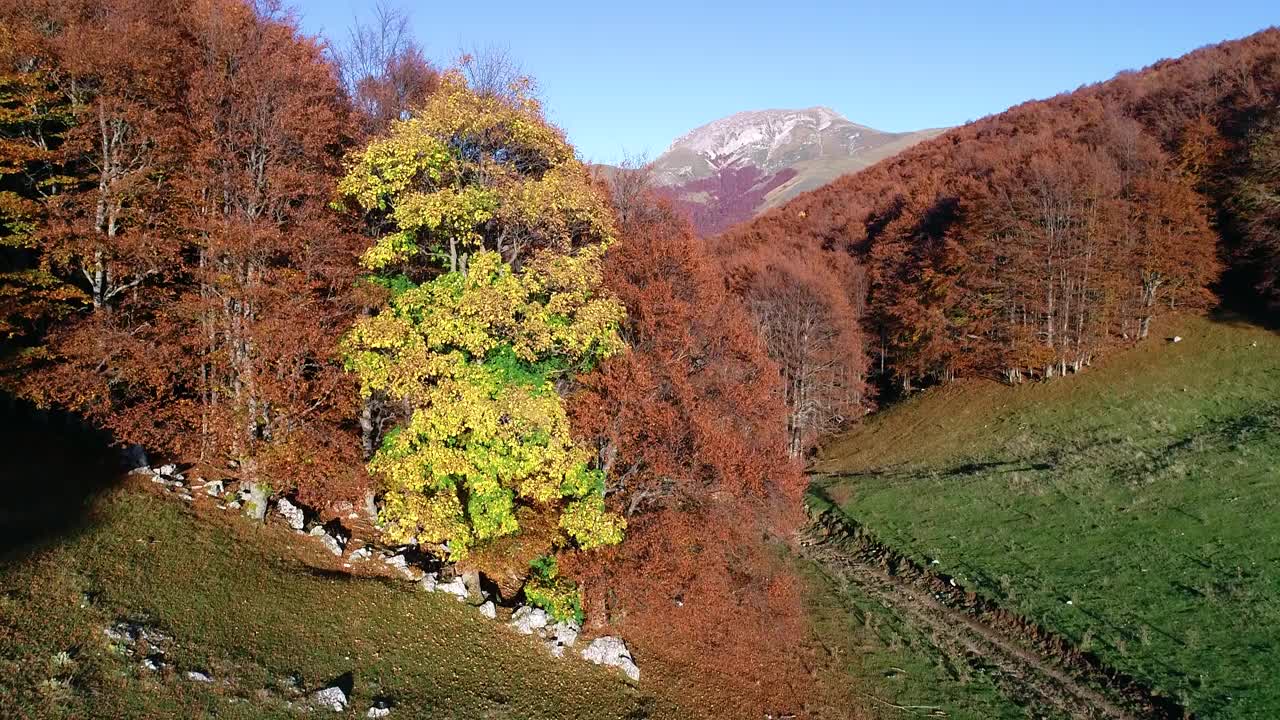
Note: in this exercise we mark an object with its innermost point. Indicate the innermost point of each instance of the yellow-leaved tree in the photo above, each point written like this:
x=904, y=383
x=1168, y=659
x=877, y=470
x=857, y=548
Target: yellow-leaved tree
x=492, y=256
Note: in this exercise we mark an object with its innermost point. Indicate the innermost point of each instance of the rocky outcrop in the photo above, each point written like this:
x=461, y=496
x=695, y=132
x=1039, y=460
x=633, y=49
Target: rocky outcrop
x=330, y=698
x=612, y=652
x=292, y=514
x=528, y=620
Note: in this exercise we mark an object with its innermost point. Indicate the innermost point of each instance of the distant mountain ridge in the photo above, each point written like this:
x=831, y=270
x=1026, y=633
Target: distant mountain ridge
x=731, y=169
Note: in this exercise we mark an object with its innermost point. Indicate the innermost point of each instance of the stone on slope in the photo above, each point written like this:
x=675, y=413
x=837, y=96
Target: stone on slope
x=292, y=514
x=332, y=698
x=455, y=587
x=528, y=619
x=331, y=543
x=611, y=651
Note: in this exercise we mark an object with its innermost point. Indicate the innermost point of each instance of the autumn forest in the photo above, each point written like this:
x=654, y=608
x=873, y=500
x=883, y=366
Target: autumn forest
x=348, y=274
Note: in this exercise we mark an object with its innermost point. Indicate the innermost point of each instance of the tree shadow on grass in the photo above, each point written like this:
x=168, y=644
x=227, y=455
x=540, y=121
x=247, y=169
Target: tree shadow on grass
x=52, y=466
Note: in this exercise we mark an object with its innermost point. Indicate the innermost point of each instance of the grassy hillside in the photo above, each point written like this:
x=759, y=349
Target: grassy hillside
x=263, y=614
x=1132, y=508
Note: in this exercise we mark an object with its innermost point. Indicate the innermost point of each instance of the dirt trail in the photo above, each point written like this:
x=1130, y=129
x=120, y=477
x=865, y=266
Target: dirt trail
x=1030, y=664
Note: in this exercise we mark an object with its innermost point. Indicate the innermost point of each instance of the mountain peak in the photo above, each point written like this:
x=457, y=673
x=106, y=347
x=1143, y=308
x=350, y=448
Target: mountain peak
x=740, y=164
x=753, y=129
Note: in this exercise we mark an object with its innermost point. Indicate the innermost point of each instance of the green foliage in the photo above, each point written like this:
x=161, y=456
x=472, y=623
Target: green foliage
x=476, y=349
x=1153, y=466
x=560, y=597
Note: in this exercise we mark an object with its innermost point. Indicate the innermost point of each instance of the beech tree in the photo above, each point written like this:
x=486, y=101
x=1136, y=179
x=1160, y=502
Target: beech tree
x=34, y=118
x=493, y=266
x=806, y=311
x=384, y=70
x=205, y=139
x=689, y=423
x=1257, y=200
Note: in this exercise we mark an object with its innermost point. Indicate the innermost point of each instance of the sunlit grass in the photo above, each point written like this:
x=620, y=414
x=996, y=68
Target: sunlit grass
x=1132, y=508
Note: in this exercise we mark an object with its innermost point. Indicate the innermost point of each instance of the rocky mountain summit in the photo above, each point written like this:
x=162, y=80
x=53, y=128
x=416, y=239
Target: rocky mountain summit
x=733, y=168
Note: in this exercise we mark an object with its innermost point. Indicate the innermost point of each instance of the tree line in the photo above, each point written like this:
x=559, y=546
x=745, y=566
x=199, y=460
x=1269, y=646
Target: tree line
x=339, y=270
x=1029, y=243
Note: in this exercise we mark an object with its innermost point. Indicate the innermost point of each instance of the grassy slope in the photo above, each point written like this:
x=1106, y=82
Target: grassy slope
x=238, y=609
x=884, y=667
x=1132, y=508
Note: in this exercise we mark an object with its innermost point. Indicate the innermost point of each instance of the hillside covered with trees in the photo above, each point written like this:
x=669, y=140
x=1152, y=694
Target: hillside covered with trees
x=1029, y=243
x=332, y=274
x=348, y=278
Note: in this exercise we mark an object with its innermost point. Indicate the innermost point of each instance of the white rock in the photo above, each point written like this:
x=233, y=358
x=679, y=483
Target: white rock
x=330, y=542
x=291, y=513
x=1177, y=338
x=330, y=697
x=528, y=619
x=489, y=610
x=455, y=587
x=565, y=633
x=362, y=553
x=169, y=470
x=611, y=651
x=378, y=712
x=428, y=583
x=403, y=567
x=214, y=488
x=197, y=676
x=153, y=664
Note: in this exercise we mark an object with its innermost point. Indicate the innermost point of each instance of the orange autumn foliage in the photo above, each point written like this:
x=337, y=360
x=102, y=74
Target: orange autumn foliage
x=690, y=426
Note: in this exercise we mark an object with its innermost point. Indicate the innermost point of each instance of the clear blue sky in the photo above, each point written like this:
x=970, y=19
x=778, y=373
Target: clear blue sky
x=631, y=76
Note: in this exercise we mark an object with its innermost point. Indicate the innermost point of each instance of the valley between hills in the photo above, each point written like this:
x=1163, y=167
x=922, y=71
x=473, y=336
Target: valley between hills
x=336, y=384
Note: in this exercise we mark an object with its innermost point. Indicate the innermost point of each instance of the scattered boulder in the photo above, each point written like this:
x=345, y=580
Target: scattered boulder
x=254, y=498
x=361, y=553
x=428, y=583
x=371, y=506
x=331, y=541
x=332, y=698
x=1175, y=339
x=455, y=587
x=169, y=471
x=154, y=663
x=611, y=651
x=214, y=488
x=379, y=709
x=562, y=635
x=198, y=676
x=527, y=619
x=471, y=580
x=489, y=610
x=292, y=514
x=401, y=564
x=566, y=633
